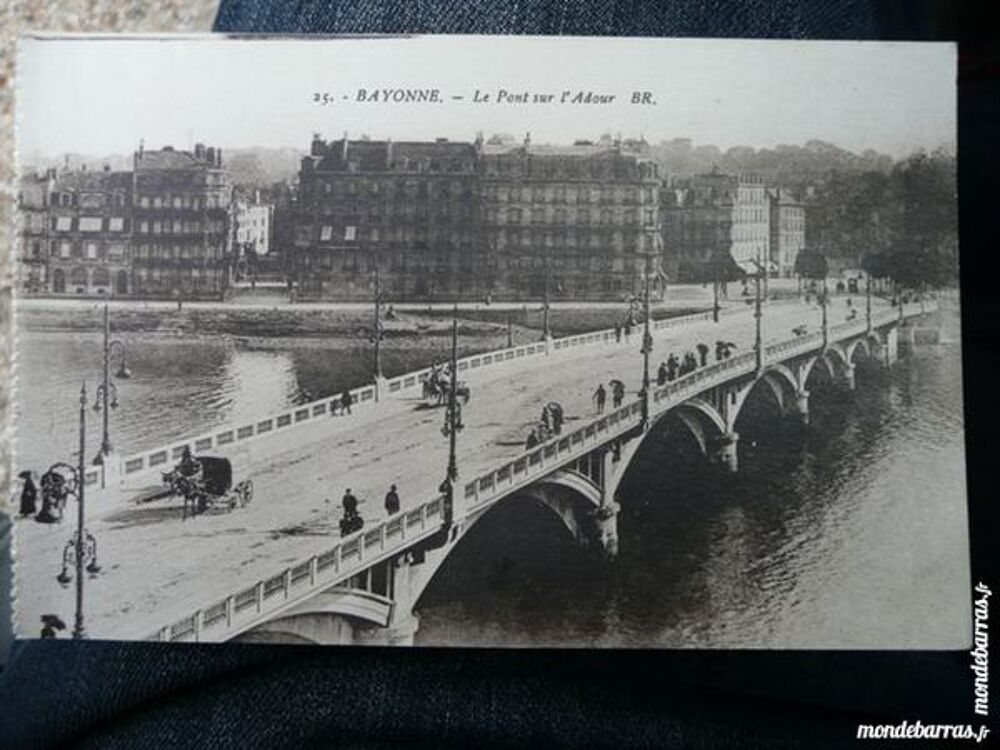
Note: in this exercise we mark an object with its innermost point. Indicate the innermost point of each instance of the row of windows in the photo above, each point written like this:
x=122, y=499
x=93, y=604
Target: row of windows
x=180, y=227
x=181, y=201
x=144, y=252
x=91, y=250
x=66, y=199
x=380, y=212
x=353, y=233
x=614, y=240
x=570, y=168
x=567, y=194
x=340, y=188
x=561, y=216
x=89, y=224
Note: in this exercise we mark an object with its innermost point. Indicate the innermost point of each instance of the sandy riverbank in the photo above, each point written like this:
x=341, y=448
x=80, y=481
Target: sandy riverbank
x=259, y=322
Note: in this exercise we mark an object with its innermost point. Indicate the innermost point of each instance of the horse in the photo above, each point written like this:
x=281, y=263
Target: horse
x=439, y=391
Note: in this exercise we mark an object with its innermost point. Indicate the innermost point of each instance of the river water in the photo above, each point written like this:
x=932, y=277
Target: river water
x=851, y=533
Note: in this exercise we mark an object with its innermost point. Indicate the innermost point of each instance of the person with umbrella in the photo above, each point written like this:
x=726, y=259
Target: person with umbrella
x=703, y=353
x=51, y=624
x=29, y=493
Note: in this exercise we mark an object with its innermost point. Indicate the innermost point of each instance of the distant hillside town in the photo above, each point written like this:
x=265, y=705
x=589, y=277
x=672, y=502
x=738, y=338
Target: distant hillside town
x=498, y=218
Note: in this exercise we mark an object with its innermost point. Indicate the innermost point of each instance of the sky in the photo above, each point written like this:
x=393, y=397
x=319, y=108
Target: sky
x=100, y=95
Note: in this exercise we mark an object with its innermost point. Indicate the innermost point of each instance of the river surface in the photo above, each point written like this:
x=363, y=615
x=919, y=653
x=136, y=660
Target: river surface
x=851, y=533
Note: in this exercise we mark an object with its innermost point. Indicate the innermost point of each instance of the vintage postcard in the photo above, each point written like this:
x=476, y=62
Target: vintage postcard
x=489, y=341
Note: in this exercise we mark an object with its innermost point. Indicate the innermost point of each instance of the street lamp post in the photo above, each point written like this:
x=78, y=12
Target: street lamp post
x=823, y=305
x=80, y=551
x=106, y=397
x=377, y=332
x=452, y=425
x=758, y=346
x=546, y=333
x=868, y=301
x=647, y=346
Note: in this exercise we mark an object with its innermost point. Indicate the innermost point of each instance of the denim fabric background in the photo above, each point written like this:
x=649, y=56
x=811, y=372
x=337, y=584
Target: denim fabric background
x=100, y=695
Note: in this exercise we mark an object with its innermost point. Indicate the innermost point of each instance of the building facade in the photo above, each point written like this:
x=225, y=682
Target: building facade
x=409, y=209
x=89, y=228
x=252, y=225
x=32, y=260
x=788, y=230
x=711, y=217
x=181, y=214
x=576, y=221
x=448, y=220
x=159, y=230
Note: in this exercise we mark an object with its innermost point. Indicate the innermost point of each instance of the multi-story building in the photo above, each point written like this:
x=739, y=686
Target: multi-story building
x=159, y=230
x=252, y=220
x=181, y=242
x=33, y=245
x=710, y=217
x=788, y=230
x=88, y=231
x=569, y=221
x=449, y=219
x=408, y=208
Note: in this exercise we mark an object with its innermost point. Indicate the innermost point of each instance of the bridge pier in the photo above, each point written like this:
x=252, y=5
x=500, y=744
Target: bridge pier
x=802, y=406
x=403, y=621
x=726, y=453
x=891, y=346
x=606, y=528
x=847, y=378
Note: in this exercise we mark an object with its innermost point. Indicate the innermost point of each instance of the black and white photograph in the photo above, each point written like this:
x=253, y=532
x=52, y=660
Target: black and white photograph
x=489, y=341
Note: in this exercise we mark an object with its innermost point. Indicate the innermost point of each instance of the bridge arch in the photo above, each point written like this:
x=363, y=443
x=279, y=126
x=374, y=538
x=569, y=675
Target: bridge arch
x=810, y=364
x=776, y=380
x=701, y=419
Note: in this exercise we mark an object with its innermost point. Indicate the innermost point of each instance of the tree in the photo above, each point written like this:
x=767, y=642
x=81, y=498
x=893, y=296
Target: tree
x=811, y=265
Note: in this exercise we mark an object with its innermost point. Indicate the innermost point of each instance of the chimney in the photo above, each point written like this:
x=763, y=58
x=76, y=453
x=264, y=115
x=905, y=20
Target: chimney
x=199, y=151
x=344, y=153
x=317, y=145
x=218, y=157
x=142, y=143
x=388, y=153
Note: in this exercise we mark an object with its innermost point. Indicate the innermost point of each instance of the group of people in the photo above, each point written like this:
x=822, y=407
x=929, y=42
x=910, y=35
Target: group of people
x=54, y=489
x=343, y=403
x=617, y=389
x=352, y=521
x=676, y=367
x=550, y=424
x=623, y=328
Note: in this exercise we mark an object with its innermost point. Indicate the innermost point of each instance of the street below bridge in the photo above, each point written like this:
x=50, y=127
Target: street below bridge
x=157, y=567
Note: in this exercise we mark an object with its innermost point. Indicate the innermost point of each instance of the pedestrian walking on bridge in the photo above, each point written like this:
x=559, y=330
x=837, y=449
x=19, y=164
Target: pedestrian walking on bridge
x=392, y=501
x=661, y=374
x=345, y=402
x=703, y=353
x=600, y=396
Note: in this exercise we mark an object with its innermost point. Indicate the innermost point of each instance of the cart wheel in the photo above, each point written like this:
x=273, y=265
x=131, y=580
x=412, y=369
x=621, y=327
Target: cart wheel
x=247, y=491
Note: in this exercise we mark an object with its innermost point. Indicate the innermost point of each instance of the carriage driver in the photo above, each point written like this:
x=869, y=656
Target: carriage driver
x=188, y=466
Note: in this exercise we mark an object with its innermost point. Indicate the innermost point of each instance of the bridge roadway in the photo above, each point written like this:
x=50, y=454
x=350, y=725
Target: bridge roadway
x=157, y=567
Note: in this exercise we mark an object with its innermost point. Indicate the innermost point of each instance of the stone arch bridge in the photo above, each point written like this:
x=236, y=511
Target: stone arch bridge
x=365, y=588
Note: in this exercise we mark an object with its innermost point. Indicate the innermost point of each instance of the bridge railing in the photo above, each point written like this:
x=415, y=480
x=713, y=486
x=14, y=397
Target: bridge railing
x=163, y=457
x=354, y=553
x=266, y=597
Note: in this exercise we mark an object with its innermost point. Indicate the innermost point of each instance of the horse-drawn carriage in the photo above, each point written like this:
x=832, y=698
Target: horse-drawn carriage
x=206, y=483
x=436, y=387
